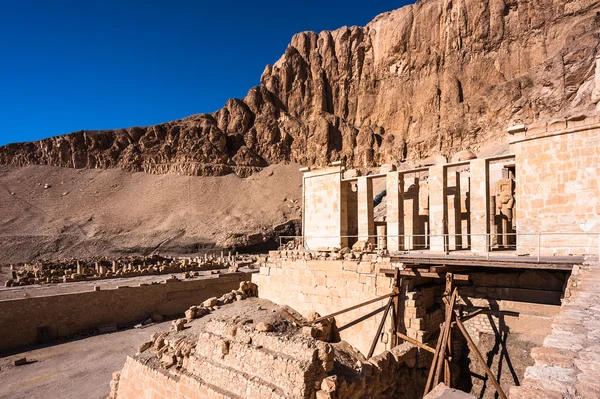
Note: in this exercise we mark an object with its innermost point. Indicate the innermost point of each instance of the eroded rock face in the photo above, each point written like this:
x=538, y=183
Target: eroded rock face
x=432, y=78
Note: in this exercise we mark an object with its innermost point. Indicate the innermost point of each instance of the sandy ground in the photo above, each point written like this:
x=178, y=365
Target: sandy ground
x=507, y=357
x=111, y=212
x=72, y=370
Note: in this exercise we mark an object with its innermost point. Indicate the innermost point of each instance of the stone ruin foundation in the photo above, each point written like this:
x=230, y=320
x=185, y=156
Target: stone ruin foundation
x=253, y=348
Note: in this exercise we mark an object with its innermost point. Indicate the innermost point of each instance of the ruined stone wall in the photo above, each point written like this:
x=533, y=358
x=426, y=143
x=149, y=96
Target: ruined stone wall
x=329, y=285
x=272, y=367
x=326, y=286
x=68, y=314
x=558, y=186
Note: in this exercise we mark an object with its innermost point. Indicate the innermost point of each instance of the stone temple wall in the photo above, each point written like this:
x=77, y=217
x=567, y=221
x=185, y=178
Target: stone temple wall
x=558, y=184
x=322, y=194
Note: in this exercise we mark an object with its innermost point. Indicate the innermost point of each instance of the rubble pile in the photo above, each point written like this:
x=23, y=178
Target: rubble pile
x=69, y=270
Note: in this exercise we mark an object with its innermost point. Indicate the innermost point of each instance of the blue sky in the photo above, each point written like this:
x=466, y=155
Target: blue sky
x=91, y=64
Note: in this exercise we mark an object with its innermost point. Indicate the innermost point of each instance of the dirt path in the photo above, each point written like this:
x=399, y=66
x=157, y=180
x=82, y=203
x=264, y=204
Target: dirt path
x=72, y=370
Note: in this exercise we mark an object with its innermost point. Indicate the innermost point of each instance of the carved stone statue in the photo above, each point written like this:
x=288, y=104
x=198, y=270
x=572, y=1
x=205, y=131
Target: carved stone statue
x=505, y=203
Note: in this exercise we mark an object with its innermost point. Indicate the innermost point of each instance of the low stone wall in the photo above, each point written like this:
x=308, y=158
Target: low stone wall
x=21, y=320
x=137, y=380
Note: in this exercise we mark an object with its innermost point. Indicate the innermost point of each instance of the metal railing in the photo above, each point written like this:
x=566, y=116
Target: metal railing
x=538, y=245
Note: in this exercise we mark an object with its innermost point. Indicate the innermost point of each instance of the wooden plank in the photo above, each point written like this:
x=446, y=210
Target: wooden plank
x=380, y=328
x=409, y=273
x=415, y=342
x=361, y=319
x=510, y=264
x=449, y=315
x=433, y=362
x=393, y=293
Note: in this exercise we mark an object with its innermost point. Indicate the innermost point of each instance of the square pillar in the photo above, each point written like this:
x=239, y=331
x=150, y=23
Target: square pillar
x=478, y=201
x=465, y=222
x=423, y=218
x=437, y=219
x=345, y=214
x=366, y=226
x=394, y=211
x=453, y=211
x=411, y=212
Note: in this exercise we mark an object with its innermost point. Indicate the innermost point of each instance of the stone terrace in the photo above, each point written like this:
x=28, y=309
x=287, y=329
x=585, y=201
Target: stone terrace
x=568, y=364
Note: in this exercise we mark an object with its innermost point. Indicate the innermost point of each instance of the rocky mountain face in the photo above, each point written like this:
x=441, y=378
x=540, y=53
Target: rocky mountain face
x=432, y=78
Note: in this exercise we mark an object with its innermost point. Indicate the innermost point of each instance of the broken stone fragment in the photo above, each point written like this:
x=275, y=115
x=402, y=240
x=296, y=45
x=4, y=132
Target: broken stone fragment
x=190, y=314
x=20, y=362
x=177, y=325
x=360, y=246
x=323, y=395
x=264, y=327
x=224, y=348
x=167, y=360
x=210, y=302
x=309, y=331
x=145, y=346
x=329, y=384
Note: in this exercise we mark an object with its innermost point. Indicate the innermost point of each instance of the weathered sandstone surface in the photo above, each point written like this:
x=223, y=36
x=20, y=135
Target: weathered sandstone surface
x=431, y=78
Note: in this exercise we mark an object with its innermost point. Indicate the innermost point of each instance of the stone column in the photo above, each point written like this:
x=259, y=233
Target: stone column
x=437, y=184
x=366, y=226
x=381, y=237
x=479, y=205
x=394, y=211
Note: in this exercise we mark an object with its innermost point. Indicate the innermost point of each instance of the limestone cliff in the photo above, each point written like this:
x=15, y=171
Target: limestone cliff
x=431, y=78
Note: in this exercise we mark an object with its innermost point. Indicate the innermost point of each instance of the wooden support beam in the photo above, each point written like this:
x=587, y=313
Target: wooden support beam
x=415, y=342
x=392, y=294
x=433, y=362
x=396, y=308
x=361, y=319
x=519, y=263
x=480, y=358
x=412, y=273
x=380, y=328
x=444, y=337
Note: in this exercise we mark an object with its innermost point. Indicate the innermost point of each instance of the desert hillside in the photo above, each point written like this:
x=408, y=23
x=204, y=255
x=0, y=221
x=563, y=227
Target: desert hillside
x=85, y=213
x=430, y=78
